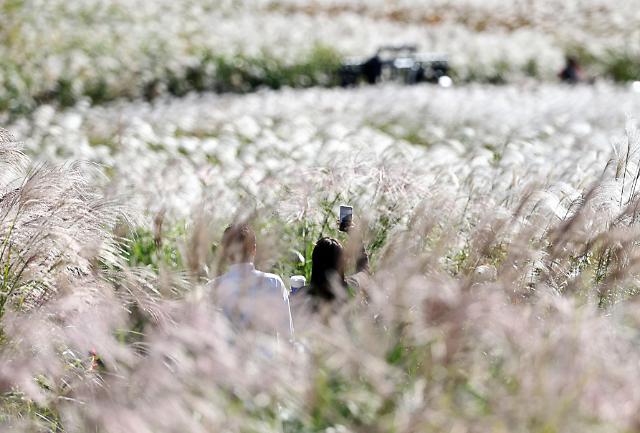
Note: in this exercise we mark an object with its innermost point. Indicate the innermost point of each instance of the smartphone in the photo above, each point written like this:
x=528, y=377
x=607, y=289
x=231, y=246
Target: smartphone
x=346, y=217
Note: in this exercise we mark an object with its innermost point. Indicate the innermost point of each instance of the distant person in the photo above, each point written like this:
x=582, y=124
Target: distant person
x=372, y=69
x=248, y=297
x=571, y=74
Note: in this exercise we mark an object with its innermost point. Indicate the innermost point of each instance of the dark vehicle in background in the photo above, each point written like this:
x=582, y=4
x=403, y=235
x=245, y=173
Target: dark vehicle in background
x=401, y=63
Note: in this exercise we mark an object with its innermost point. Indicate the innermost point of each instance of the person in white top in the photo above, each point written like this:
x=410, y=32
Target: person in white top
x=248, y=297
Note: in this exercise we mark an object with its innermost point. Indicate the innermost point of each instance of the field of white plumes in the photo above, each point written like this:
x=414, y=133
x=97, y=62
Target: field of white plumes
x=61, y=51
x=501, y=221
x=390, y=143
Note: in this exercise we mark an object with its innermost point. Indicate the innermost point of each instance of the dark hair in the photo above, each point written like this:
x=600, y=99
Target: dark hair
x=572, y=61
x=327, y=265
x=238, y=243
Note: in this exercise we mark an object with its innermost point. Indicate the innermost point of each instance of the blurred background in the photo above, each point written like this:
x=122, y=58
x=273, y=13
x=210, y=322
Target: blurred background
x=60, y=51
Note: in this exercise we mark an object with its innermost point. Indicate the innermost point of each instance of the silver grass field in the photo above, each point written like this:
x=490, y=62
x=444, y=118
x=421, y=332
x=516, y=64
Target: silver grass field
x=502, y=222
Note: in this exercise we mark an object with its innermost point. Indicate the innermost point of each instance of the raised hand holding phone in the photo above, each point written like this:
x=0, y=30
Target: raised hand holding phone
x=346, y=218
x=355, y=245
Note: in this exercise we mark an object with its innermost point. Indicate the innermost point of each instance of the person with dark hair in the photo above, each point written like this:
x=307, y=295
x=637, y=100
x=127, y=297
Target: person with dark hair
x=571, y=74
x=248, y=297
x=327, y=270
x=328, y=284
x=372, y=69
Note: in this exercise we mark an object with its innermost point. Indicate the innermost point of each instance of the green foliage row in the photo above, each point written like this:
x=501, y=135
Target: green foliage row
x=212, y=72
x=241, y=74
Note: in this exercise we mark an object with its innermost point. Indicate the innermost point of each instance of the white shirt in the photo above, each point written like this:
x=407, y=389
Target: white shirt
x=250, y=298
